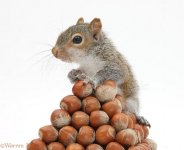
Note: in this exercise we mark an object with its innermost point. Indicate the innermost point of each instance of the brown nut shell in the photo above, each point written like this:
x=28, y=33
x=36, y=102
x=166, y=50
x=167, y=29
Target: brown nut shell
x=110, y=83
x=119, y=121
x=90, y=104
x=146, y=131
x=70, y=103
x=94, y=147
x=86, y=135
x=130, y=123
x=139, y=128
x=60, y=118
x=127, y=137
x=67, y=135
x=112, y=107
x=152, y=144
x=133, y=117
x=134, y=148
x=122, y=101
x=48, y=134
x=98, y=118
x=75, y=146
x=144, y=146
x=36, y=144
x=80, y=119
x=106, y=91
x=55, y=146
x=114, y=146
x=81, y=89
x=105, y=134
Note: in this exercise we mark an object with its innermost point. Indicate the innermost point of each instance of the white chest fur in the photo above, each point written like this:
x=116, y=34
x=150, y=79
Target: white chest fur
x=91, y=65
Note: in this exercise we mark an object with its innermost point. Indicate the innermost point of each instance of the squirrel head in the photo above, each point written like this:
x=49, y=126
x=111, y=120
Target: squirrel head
x=76, y=41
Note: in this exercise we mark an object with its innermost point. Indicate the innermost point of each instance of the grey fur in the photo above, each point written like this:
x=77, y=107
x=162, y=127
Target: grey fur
x=107, y=63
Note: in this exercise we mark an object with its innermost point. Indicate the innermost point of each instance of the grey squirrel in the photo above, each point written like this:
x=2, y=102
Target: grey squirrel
x=87, y=45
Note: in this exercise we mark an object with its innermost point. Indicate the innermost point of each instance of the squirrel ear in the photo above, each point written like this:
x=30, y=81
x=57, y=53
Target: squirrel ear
x=95, y=26
x=80, y=21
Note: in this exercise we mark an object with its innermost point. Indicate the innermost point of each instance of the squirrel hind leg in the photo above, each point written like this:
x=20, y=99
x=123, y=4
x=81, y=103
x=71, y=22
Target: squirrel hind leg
x=141, y=120
x=132, y=106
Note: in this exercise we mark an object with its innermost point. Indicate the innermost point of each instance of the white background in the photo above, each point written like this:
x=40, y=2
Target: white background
x=149, y=33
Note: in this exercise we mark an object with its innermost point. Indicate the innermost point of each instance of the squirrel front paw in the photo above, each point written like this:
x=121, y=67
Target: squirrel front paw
x=85, y=78
x=73, y=75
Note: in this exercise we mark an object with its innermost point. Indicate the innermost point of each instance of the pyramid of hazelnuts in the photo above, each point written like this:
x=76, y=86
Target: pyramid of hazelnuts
x=93, y=120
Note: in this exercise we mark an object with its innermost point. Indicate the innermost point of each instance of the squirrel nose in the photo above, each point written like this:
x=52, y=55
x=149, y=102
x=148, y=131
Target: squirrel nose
x=55, y=51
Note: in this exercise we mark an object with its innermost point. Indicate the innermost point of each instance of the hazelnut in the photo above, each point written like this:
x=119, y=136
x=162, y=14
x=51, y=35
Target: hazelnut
x=80, y=119
x=94, y=147
x=70, y=103
x=90, y=104
x=130, y=123
x=60, y=118
x=106, y=91
x=67, y=135
x=74, y=146
x=139, y=128
x=36, y=144
x=86, y=135
x=112, y=107
x=127, y=137
x=122, y=101
x=105, y=134
x=114, y=146
x=55, y=146
x=82, y=89
x=151, y=143
x=134, y=148
x=146, y=131
x=48, y=134
x=133, y=117
x=143, y=146
x=119, y=121
x=98, y=118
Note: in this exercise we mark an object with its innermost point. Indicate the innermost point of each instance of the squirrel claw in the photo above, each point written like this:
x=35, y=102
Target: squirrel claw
x=82, y=76
x=86, y=80
x=143, y=121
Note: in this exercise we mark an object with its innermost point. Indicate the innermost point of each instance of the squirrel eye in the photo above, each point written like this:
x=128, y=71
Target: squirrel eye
x=77, y=39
